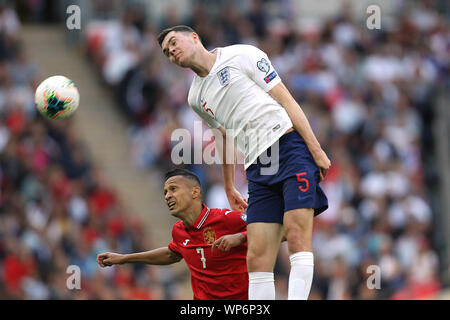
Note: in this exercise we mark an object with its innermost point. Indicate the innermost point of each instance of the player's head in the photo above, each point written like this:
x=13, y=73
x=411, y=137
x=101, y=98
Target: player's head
x=182, y=190
x=179, y=44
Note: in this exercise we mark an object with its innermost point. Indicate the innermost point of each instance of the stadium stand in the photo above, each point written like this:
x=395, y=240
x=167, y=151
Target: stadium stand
x=56, y=207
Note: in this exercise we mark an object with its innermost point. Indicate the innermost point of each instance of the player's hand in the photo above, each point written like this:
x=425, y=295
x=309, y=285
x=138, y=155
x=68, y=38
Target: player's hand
x=237, y=202
x=225, y=243
x=108, y=259
x=323, y=163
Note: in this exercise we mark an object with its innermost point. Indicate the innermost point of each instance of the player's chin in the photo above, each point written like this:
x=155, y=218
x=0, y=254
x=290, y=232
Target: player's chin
x=173, y=211
x=182, y=63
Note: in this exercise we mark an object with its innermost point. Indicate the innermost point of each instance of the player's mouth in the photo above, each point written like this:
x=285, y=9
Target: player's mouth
x=171, y=205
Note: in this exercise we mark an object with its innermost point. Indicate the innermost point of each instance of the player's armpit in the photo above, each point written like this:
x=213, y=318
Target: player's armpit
x=174, y=256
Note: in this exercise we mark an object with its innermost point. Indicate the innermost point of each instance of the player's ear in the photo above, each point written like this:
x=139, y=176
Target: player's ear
x=195, y=37
x=196, y=192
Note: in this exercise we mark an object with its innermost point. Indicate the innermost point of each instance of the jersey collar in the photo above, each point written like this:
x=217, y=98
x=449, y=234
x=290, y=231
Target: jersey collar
x=201, y=218
x=214, y=67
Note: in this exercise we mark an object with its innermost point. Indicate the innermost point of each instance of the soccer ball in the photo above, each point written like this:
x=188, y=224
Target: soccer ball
x=57, y=97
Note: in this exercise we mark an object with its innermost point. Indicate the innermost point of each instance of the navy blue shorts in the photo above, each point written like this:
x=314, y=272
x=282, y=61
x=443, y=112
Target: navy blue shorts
x=294, y=184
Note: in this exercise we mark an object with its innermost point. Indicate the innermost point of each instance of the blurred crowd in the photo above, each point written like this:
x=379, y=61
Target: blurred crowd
x=56, y=208
x=368, y=95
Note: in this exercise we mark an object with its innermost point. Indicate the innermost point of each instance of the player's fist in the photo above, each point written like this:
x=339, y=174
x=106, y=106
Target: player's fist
x=323, y=163
x=237, y=202
x=108, y=259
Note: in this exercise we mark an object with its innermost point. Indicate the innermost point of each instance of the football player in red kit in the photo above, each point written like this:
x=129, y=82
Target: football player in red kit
x=211, y=241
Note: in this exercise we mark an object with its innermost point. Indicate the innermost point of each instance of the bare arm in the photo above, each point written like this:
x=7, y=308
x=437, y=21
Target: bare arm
x=226, y=242
x=282, y=95
x=160, y=256
x=227, y=153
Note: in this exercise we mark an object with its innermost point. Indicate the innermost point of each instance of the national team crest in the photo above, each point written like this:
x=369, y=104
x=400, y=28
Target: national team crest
x=209, y=235
x=224, y=76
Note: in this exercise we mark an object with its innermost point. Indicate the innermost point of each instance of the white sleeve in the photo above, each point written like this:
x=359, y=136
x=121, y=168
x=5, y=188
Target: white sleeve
x=256, y=64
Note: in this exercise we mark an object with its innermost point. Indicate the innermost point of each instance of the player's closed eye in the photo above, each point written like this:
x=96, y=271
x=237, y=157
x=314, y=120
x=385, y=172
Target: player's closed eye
x=173, y=44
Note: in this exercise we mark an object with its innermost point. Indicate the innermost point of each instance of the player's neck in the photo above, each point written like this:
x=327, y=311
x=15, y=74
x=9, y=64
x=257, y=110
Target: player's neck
x=203, y=63
x=191, y=214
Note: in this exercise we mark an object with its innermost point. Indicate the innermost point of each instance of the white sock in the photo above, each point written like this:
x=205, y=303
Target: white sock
x=261, y=286
x=301, y=275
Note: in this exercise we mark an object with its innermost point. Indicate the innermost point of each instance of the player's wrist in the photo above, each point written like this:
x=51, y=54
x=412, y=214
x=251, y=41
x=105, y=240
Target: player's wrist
x=229, y=188
x=316, y=151
x=123, y=258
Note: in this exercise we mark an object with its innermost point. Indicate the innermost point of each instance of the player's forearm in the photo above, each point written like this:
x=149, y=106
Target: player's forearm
x=228, y=175
x=301, y=124
x=281, y=94
x=243, y=236
x=227, y=153
x=160, y=256
x=238, y=238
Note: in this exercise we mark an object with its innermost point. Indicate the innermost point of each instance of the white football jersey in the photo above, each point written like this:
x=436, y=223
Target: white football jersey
x=235, y=95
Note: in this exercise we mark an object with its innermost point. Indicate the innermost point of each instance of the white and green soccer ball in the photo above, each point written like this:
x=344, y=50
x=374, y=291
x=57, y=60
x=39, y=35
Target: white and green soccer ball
x=57, y=97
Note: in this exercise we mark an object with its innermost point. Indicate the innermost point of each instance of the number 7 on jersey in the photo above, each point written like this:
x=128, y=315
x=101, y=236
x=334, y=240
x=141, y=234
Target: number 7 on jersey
x=202, y=259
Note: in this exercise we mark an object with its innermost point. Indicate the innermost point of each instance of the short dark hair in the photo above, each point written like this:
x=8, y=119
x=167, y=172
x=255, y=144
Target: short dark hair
x=185, y=173
x=179, y=28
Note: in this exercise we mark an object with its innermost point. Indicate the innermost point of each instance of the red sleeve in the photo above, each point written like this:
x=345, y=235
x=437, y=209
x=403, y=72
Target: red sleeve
x=236, y=222
x=173, y=245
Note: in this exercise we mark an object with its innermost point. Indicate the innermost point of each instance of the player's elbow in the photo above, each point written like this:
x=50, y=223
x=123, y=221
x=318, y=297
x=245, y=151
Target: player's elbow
x=172, y=257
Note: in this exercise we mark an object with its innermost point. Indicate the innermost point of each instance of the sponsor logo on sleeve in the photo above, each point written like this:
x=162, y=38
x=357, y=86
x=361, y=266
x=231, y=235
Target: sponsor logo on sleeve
x=270, y=77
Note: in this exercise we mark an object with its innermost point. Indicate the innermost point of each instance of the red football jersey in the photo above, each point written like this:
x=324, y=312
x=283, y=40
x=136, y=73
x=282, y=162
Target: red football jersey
x=217, y=274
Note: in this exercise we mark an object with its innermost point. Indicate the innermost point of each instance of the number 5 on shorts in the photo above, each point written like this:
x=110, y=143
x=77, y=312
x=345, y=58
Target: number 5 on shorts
x=300, y=179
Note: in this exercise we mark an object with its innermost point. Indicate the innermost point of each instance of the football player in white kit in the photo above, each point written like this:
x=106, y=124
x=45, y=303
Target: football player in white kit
x=237, y=91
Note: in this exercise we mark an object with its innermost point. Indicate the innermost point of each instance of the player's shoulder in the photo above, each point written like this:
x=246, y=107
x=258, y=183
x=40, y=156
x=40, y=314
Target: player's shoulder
x=178, y=227
x=218, y=211
x=224, y=212
x=239, y=49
